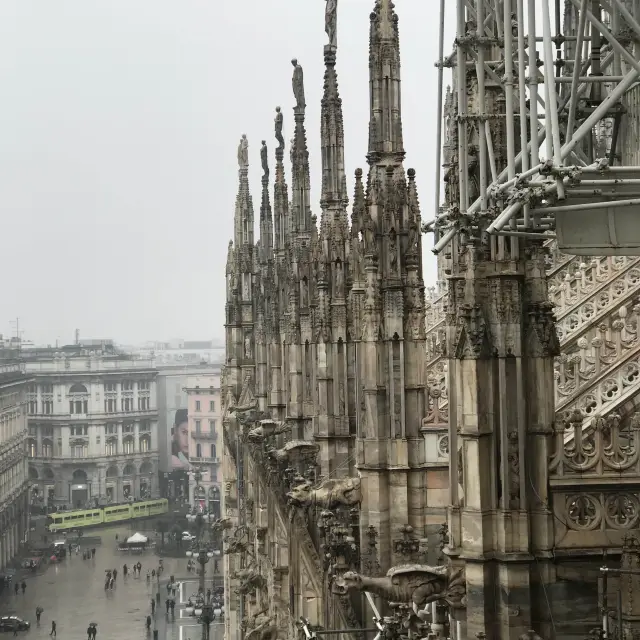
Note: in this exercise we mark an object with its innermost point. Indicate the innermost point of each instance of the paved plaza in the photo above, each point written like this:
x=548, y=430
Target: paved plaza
x=72, y=593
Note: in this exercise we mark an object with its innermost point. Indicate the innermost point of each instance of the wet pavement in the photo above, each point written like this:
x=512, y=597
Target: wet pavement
x=72, y=593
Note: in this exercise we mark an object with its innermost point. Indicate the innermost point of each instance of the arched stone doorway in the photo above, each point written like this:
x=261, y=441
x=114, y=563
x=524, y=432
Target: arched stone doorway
x=79, y=489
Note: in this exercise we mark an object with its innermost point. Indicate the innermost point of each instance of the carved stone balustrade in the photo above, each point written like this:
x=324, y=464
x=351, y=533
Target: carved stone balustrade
x=569, y=287
x=595, y=480
x=607, y=346
x=435, y=427
x=574, y=320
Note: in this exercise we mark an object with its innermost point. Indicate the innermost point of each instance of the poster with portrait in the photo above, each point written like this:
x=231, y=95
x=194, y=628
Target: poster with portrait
x=180, y=441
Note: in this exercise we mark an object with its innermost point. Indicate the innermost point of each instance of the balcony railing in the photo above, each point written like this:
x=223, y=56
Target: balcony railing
x=95, y=415
x=195, y=460
x=205, y=435
x=99, y=456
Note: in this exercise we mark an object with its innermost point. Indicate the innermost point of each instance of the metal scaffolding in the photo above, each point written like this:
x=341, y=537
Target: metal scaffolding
x=533, y=145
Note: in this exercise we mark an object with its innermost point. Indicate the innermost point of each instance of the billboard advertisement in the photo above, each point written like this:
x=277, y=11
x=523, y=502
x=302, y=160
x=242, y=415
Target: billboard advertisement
x=180, y=441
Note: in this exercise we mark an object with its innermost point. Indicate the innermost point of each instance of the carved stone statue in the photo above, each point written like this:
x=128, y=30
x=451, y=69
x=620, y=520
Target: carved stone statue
x=339, y=292
x=331, y=22
x=278, y=126
x=267, y=429
x=298, y=84
x=329, y=495
x=416, y=583
x=414, y=236
x=222, y=524
x=264, y=158
x=294, y=449
x=370, y=242
x=261, y=627
x=243, y=152
x=247, y=346
x=250, y=581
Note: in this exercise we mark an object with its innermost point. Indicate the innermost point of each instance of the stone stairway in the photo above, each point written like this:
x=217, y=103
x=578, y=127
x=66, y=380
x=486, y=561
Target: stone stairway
x=597, y=307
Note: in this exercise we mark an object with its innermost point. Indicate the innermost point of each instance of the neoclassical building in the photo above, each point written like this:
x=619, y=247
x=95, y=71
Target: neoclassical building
x=93, y=424
x=14, y=484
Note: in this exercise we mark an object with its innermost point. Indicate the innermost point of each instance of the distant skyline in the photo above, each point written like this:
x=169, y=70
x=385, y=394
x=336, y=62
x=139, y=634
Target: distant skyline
x=120, y=123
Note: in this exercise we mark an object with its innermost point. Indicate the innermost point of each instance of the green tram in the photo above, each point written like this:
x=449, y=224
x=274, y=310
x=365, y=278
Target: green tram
x=66, y=520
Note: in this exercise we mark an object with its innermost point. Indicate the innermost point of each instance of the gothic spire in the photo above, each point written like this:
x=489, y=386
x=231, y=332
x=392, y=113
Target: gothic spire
x=266, y=222
x=385, y=118
x=334, y=182
x=300, y=181
x=243, y=223
x=280, y=191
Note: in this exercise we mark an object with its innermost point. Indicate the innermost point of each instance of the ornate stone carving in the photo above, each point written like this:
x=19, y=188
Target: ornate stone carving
x=410, y=583
x=268, y=428
x=471, y=338
x=331, y=494
x=250, y=581
x=264, y=158
x=222, y=524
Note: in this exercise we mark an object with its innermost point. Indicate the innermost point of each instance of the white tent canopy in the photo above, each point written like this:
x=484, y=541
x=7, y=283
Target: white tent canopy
x=137, y=538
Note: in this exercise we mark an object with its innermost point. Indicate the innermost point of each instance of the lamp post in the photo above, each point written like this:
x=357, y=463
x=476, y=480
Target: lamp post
x=204, y=609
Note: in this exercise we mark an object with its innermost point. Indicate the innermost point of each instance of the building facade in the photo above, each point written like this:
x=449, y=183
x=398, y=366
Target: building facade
x=14, y=481
x=93, y=426
x=204, y=426
x=173, y=425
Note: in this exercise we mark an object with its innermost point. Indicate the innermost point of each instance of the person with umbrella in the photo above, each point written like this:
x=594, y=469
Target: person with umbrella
x=39, y=611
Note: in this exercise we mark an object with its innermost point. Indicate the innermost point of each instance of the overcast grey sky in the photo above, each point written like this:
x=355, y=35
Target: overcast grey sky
x=119, y=125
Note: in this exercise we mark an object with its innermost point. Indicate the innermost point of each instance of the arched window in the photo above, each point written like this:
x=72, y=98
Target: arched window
x=145, y=443
x=33, y=473
x=32, y=448
x=78, y=399
x=79, y=476
x=129, y=470
x=48, y=473
x=146, y=468
x=47, y=448
x=128, y=445
x=198, y=450
x=112, y=472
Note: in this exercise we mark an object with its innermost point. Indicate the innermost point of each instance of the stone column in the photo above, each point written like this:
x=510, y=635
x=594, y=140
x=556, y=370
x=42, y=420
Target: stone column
x=501, y=343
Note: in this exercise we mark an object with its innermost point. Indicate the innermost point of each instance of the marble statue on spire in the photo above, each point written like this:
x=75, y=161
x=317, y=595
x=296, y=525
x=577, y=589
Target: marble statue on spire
x=331, y=22
x=278, y=123
x=298, y=84
x=243, y=152
x=264, y=159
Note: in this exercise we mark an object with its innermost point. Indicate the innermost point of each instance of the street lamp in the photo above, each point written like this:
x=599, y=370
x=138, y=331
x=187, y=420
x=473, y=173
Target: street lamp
x=203, y=609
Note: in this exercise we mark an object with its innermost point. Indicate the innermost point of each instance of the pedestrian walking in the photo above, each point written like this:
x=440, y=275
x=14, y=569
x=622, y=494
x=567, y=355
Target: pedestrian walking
x=93, y=552
x=148, y=575
x=89, y=632
x=39, y=611
x=53, y=633
x=24, y=587
x=124, y=570
x=168, y=604
x=148, y=623
x=172, y=604
x=115, y=574
x=153, y=607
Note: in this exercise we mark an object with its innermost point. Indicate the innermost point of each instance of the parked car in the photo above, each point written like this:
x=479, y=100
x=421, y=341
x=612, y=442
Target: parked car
x=187, y=537
x=9, y=623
